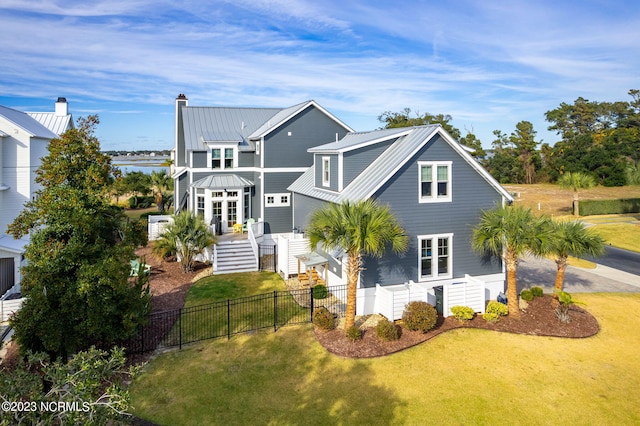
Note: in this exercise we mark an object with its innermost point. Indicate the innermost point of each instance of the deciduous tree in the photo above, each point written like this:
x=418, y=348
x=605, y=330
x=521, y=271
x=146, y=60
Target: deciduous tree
x=76, y=282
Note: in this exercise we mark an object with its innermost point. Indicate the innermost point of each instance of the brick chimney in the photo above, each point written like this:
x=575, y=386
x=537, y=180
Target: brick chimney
x=62, y=108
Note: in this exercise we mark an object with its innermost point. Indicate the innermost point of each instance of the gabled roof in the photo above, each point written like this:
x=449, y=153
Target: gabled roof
x=288, y=113
x=237, y=125
x=26, y=123
x=386, y=165
x=58, y=124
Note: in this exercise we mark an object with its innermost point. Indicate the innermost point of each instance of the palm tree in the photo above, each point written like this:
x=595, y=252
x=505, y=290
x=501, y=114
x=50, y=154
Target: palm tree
x=510, y=232
x=572, y=239
x=359, y=228
x=575, y=181
x=185, y=238
x=160, y=182
x=632, y=173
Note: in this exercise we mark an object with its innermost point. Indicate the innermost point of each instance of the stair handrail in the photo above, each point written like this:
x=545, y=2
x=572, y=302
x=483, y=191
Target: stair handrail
x=254, y=243
x=214, y=265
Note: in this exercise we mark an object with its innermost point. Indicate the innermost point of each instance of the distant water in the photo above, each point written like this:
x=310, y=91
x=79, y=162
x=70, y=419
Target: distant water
x=140, y=164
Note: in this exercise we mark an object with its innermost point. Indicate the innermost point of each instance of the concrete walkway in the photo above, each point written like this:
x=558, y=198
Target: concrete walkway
x=542, y=272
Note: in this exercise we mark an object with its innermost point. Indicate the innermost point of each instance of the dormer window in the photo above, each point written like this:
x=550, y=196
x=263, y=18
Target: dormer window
x=326, y=171
x=222, y=158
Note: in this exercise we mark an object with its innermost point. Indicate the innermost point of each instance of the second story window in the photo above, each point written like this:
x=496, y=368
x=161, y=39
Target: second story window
x=326, y=171
x=222, y=158
x=434, y=180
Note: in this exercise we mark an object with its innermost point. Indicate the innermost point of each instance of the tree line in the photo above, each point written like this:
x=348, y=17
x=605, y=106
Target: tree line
x=599, y=139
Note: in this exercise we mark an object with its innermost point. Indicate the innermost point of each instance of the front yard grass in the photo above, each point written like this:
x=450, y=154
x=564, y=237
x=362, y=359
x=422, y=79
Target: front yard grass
x=465, y=376
x=622, y=235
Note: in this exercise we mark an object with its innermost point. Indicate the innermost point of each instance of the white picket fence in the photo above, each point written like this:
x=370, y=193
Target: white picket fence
x=390, y=301
x=290, y=245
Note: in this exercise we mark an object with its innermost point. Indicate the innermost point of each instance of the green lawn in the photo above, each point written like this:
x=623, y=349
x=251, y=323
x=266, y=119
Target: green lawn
x=622, y=235
x=462, y=377
x=220, y=305
x=230, y=286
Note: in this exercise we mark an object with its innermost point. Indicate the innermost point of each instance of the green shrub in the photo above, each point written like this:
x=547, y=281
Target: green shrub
x=323, y=319
x=462, y=313
x=354, y=333
x=419, y=316
x=494, y=311
x=620, y=206
x=320, y=291
x=537, y=291
x=386, y=330
x=526, y=295
x=491, y=316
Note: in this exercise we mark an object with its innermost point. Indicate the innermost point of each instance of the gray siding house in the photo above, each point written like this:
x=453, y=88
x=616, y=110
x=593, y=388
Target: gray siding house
x=235, y=164
x=435, y=189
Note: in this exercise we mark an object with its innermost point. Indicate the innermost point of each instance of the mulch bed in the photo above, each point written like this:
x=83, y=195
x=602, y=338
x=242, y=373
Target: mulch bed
x=169, y=287
x=167, y=283
x=539, y=319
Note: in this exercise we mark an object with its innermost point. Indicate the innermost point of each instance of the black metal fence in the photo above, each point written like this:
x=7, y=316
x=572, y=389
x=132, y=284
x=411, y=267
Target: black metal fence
x=233, y=316
x=268, y=257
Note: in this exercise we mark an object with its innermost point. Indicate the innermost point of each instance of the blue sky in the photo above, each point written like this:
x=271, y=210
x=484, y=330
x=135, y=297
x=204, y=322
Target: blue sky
x=489, y=64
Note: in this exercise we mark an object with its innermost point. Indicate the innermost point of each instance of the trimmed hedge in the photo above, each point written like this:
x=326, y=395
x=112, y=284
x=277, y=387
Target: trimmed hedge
x=620, y=206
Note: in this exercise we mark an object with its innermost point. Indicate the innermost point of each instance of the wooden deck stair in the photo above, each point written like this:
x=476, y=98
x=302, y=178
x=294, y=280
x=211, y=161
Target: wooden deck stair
x=235, y=256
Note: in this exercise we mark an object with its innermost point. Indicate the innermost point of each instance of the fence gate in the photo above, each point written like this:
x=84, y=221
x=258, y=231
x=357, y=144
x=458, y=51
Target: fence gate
x=268, y=257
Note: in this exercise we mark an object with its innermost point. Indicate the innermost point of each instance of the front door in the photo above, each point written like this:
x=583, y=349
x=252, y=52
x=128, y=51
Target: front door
x=226, y=209
x=232, y=214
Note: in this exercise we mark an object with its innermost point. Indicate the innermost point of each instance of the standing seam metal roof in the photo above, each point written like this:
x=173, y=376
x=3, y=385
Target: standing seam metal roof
x=58, y=124
x=221, y=124
x=27, y=123
x=386, y=165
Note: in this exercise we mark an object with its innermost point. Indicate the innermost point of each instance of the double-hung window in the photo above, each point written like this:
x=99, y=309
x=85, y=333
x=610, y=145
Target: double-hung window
x=435, y=257
x=222, y=158
x=200, y=202
x=434, y=178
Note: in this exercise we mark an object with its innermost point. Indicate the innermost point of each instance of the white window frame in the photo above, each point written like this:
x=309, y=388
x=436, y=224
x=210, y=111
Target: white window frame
x=326, y=171
x=277, y=199
x=435, y=256
x=222, y=156
x=434, y=197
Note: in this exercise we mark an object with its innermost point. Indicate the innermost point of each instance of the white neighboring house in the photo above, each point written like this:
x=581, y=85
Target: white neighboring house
x=24, y=139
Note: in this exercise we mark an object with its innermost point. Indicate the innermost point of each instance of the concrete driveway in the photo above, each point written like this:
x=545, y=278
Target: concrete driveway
x=542, y=272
